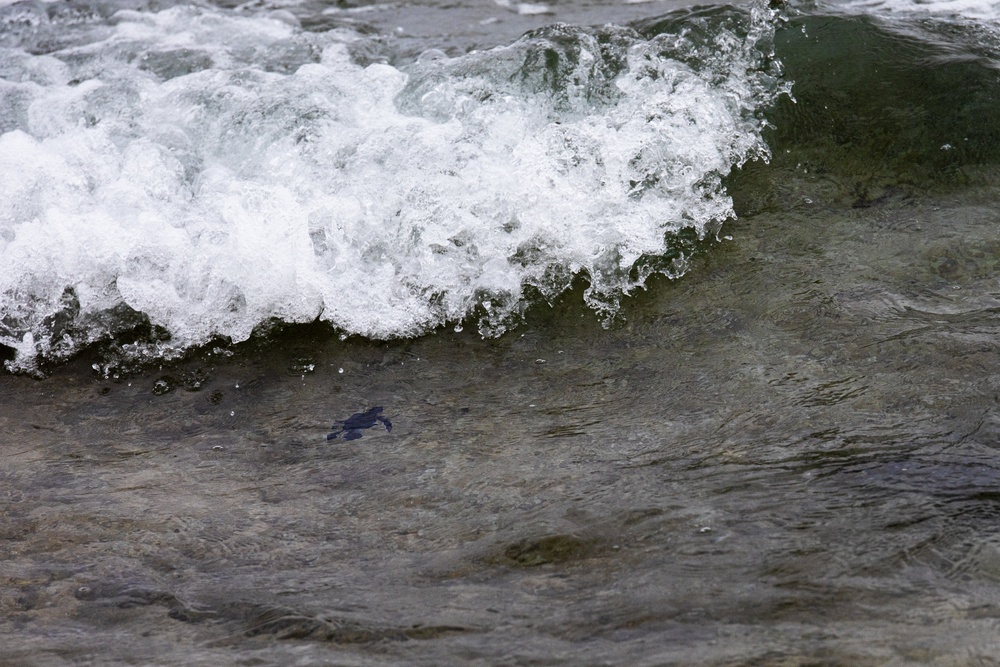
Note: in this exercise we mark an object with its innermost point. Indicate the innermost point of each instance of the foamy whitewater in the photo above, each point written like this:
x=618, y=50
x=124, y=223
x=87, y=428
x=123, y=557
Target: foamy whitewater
x=208, y=172
x=966, y=9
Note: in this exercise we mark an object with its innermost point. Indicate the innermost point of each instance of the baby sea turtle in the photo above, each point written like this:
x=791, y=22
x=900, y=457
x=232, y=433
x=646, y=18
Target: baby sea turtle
x=353, y=425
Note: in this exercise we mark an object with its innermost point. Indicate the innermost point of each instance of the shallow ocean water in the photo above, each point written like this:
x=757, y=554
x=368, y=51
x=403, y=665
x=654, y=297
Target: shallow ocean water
x=777, y=460
x=785, y=457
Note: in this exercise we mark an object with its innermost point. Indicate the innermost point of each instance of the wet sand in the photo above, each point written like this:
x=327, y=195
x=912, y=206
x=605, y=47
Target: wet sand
x=786, y=457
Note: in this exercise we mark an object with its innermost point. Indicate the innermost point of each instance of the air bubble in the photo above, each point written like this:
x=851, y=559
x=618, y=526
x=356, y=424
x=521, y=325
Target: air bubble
x=163, y=385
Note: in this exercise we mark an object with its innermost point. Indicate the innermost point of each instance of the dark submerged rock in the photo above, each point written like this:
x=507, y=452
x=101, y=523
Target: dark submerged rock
x=352, y=426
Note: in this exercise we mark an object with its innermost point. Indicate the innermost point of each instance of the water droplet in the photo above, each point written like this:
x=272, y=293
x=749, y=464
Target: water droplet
x=232, y=413
x=458, y=328
x=302, y=365
x=340, y=370
x=163, y=385
x=218, y=448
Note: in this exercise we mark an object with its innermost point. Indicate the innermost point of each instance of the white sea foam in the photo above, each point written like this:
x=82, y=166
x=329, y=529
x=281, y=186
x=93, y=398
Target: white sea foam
x=969, y=9
x=212, y=172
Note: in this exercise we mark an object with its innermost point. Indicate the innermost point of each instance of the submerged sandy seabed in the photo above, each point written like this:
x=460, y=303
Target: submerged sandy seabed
x=787, y=457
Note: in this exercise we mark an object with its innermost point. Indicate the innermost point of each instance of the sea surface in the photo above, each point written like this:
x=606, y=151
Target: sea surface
x=483, y=332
